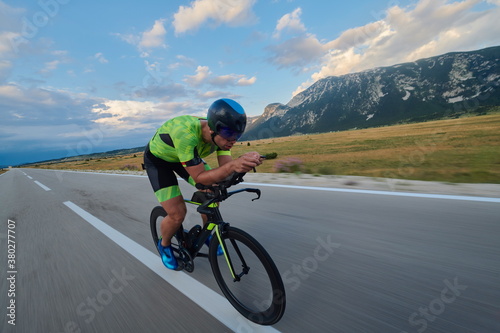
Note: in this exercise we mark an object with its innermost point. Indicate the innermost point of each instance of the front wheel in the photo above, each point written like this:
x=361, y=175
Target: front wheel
x=248, y=277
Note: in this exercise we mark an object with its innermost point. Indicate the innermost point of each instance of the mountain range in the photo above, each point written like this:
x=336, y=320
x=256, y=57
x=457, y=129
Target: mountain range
x=427, y=89
x=448, y=85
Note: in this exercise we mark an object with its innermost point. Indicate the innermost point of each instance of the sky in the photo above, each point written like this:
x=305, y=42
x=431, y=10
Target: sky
x=80, y=77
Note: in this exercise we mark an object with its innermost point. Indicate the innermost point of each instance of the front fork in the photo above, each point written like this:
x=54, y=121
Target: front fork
x=220, y=230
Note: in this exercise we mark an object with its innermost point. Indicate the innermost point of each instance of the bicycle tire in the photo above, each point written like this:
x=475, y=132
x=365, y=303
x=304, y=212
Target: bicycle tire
x=262, y=300
x=156, y=213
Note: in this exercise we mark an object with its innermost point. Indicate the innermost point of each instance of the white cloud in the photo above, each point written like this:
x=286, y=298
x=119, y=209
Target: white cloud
x=49, y=119
x=429, y=28
x=49, y=67
x=6, y=46
x=10, y=29
x=223, y=80
x=183, y=61
x=129, y=38
x=159, y=90
x=155, y=37
x=230, y=12
x=119, y=116
x=232, y=80
x=5, y=67
x=205, y=76
x=10, y=32
x=100, y=57
x=359, y=36
x=201, y=76
x=38, y=118
x=301, y=49
x=297, y=52
x=212, y=94
x=124, y=115
x=243, y=81
x=11, y=92
x=39, y=106
x=147, y=40
x=290, y=22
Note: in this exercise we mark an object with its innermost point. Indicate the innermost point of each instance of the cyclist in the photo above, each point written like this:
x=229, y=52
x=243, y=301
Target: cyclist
x=179, y=146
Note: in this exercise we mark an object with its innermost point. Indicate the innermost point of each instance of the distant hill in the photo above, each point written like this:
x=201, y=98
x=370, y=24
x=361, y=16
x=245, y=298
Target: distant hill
x=447, y=85
x=112, y=153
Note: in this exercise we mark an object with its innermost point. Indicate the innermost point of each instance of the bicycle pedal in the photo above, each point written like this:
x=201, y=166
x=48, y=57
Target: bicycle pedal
x=180, y=266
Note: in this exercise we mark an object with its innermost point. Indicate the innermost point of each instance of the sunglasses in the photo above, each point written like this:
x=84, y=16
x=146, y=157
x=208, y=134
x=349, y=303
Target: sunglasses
x=229, y=134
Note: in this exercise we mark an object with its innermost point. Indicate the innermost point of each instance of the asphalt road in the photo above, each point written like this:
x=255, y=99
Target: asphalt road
x=83, y=260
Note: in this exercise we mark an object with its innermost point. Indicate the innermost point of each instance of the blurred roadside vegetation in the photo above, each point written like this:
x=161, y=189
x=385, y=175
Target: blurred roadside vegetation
x=459, y=150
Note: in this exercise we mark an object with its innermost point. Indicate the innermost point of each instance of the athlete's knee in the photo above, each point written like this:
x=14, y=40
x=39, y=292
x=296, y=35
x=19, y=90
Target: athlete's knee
x=177, y=216
x=176, y=210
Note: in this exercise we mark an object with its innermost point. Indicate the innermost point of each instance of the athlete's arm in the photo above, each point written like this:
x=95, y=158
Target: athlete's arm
x=244, y=163
x=224, y=159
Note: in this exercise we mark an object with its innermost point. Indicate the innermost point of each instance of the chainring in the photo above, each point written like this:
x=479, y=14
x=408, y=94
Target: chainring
x=185, y=260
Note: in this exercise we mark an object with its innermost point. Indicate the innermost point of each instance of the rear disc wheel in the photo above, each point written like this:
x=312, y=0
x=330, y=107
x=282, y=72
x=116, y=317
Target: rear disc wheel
x=183, y=257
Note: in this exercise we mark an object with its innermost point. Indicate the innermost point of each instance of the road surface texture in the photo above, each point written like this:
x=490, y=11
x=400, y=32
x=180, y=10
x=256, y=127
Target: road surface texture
x=362, y=256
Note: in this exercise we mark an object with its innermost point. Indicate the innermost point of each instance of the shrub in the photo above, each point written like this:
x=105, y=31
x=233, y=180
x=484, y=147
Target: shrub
x=326, y=170
x=271, y=156
x=290, y=165
x=129, y=167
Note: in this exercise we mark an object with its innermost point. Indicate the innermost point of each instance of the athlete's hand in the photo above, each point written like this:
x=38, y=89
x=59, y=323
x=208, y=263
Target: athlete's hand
x=256, y=155
x=247, y=162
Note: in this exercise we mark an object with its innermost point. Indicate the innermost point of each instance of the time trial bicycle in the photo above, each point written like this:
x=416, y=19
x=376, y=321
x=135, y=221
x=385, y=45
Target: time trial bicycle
x=244, y=271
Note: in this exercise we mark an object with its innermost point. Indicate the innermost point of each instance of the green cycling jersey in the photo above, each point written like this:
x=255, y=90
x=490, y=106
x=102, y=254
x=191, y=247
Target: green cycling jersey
x=179, y=140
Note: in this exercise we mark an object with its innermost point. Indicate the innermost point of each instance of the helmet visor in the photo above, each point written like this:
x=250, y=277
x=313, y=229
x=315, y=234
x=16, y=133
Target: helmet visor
x=229, y=134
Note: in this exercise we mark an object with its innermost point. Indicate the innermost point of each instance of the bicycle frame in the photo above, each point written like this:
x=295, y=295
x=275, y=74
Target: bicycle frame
x=210, y=207
x=243, y=254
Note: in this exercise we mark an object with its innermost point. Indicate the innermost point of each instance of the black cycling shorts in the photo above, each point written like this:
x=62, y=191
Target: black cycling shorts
x=162, y=176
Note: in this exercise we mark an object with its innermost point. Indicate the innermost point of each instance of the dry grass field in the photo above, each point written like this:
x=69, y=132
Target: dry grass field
x=456, y=150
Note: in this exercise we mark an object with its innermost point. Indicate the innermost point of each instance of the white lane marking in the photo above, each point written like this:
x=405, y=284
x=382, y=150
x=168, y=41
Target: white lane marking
x=206, y=298
x=42, y=186
x=345, y=190
x=400, y=194
x=29, y=177
x=98, y=173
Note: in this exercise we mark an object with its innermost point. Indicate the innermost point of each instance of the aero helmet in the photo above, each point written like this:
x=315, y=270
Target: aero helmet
x=227, y=119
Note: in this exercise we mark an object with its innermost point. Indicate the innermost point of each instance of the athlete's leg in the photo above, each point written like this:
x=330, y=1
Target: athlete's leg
x=166, y=188
x=176, y=212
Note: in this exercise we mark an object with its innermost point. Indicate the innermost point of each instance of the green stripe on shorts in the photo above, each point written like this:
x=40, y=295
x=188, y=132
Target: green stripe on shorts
x=168, y=193
x=173, y=191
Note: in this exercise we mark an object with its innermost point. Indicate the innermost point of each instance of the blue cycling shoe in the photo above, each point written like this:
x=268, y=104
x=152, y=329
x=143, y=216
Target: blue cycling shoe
x=219, y=248
x=167, y=256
